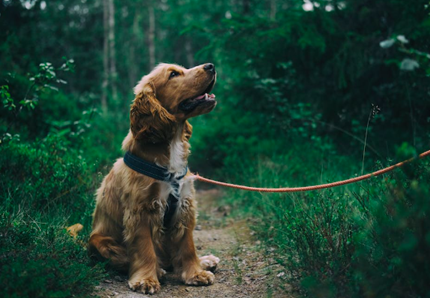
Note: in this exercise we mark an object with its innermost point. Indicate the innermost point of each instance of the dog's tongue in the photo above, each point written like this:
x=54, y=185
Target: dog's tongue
x=205, y=96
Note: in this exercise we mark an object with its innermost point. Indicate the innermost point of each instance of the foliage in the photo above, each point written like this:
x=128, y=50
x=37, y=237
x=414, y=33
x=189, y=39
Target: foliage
x=319, y=71
x=365, y=240
x=43, y=190
x=308, y=92
x=39, y=259
x=393, y=243
x=46, y=185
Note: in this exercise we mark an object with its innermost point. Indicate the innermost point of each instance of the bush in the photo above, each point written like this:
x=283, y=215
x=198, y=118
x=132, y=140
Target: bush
x=45, y=187
x=369, y=239
x=39, y=259
x=47, y=184
x=392, y=246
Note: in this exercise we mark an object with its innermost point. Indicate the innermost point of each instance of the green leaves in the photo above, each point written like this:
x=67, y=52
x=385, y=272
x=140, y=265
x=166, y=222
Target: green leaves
x=28, y=103
x=387, y=43
x=68, y=65
x=47, y=75
x=8, y=102
x=390, y=42
x=409, y=64
x=37, y=85
x=402, y=39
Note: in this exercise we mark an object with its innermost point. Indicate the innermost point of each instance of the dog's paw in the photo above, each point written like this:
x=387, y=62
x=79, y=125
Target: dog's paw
x=145, y=285
x=160, y=273
x=209, y=262
x=202, y=278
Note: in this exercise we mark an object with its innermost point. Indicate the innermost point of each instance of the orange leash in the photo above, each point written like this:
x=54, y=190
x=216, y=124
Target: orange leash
x=314, y=187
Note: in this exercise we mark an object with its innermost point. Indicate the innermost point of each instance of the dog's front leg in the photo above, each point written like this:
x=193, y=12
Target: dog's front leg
x=143, y=260
x=187, y=262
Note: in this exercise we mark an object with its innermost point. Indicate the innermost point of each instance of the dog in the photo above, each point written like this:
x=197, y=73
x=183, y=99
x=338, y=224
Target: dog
x=145, y=211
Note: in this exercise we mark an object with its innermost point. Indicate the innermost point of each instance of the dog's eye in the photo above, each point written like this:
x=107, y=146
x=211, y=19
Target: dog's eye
x=173, y=74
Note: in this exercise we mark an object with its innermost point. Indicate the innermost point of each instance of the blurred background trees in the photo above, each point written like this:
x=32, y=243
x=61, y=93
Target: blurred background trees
x=308, y=91
x=285, y=65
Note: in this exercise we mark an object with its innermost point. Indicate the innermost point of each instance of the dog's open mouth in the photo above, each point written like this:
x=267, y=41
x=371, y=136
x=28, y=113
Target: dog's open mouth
x=205, y=98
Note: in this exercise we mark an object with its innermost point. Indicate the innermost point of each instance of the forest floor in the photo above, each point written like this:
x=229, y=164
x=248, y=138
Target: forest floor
x=242, y=272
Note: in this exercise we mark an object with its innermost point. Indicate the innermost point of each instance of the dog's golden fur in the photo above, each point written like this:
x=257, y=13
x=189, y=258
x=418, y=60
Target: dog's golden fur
x=128, y=220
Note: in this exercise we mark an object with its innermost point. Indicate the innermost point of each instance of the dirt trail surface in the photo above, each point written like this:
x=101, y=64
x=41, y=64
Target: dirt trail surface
x=242, y=272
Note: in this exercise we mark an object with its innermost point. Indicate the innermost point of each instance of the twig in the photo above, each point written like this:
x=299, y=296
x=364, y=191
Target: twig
x=365, y=140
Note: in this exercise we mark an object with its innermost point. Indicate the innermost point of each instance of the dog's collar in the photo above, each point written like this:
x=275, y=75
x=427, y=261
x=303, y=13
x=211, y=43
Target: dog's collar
x=151, y=169
x=160, y=173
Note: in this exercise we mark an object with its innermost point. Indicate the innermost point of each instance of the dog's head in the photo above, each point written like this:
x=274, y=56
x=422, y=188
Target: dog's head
x=169, y=95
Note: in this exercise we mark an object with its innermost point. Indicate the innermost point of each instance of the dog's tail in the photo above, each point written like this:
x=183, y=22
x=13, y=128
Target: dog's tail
x=75, y=229
x=103, y=247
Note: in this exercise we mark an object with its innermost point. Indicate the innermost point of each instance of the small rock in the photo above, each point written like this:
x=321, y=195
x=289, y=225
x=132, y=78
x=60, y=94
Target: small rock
x=108, y=281
x=188, y=289
x=281, y=274
x=199, y=247
x=198, y=228
x=225, y=210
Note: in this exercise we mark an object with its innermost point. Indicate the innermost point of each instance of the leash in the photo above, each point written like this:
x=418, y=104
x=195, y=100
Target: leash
x=314, y=187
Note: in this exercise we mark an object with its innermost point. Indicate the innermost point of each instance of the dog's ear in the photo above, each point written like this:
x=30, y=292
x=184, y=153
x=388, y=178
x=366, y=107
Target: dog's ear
x=188, y=130
x=149, y=121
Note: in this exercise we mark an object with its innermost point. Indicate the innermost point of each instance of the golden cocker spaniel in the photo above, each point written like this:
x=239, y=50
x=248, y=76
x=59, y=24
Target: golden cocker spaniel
x=146, y=212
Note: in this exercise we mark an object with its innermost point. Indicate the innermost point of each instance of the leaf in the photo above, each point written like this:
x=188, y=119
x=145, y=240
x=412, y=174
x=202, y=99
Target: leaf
x=409, y=64
x=61, y=81
x=387, y=43
x=51, y=87
x=402, y=39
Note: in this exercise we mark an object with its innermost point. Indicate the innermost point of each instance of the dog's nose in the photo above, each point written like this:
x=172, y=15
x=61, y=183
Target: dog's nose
x=209, y=67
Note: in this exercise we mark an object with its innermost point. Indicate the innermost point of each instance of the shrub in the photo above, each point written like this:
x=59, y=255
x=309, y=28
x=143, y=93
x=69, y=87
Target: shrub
x=369, y=239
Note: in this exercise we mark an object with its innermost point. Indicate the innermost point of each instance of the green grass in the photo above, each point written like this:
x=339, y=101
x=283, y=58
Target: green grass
x=369, y=239
x=45, y=187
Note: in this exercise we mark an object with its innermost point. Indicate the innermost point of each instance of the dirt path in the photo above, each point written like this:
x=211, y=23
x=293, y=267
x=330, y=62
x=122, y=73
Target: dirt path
x=243, y=270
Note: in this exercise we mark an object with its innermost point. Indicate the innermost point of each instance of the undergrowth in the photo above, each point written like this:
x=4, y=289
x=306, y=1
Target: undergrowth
x=369, y=239
x=50, y=166
x=44, y=190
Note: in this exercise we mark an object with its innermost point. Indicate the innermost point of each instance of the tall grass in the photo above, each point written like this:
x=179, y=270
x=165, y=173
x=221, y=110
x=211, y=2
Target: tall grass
x=370, y=239
x=48, y=184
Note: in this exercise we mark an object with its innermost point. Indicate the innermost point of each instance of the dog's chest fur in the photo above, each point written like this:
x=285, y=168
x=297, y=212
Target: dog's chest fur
x=178, y=153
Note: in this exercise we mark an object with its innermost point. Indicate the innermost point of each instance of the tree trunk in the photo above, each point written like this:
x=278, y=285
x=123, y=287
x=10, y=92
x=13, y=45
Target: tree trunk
x=189, y=53
x=273, y=9
x=132, y=74
x=105, y=55
x=112, y=55
x=246, y=7
x=151, y=37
